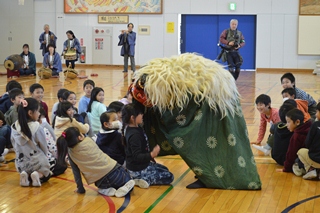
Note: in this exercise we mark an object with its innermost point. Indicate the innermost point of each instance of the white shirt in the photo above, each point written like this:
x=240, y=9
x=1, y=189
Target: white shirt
x=47, y=39
x=50, y=59
x=26, y=60
x=71, y=42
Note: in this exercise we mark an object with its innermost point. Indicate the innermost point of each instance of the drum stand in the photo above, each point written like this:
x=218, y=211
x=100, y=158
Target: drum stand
x=12, y=73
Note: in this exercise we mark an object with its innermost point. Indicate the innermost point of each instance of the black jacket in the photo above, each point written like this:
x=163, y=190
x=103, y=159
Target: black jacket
x=137, y=149
x=282, y=138
x=5, y=103
x=110, y=142
x=313, y=142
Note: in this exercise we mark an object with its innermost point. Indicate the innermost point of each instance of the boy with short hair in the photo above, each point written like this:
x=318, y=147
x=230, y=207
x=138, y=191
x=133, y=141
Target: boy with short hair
x=55, y=105
x=16, y=96
x=289, y=81
x=300, y=130
x=88, y=86
x=36, y=91
x=267, y=115
x=290, y=94
x=5, y=102
x=310, y=156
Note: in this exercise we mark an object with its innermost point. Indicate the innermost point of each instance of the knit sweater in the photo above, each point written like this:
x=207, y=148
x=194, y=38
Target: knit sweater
x=92, y=162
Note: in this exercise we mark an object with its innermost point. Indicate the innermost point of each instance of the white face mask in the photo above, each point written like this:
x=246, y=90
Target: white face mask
x=116, y=125
x=284, y=99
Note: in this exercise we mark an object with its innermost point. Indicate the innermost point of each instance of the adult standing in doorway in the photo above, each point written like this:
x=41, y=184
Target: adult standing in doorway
x=128, y=42
x=46, y=38
x=71, y=45
x=233, y=39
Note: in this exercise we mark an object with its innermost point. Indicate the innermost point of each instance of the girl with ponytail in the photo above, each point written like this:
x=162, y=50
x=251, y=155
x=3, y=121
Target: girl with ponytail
x=97, y=167
x=29, y=141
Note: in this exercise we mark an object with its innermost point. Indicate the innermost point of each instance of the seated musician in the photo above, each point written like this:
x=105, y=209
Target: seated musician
x=52, y=60
x=71, y=49
x=29, y=66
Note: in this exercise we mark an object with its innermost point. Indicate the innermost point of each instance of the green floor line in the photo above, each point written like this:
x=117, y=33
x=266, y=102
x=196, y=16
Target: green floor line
x=167, y=191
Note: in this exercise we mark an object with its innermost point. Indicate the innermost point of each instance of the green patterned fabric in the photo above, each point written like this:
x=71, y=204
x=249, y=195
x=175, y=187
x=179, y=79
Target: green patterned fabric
x=218, y=151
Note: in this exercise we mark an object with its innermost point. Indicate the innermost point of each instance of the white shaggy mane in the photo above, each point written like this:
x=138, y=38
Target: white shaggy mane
x=171, y=82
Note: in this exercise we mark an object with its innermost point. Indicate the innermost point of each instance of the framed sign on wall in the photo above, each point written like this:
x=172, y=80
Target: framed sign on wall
x=113, y=19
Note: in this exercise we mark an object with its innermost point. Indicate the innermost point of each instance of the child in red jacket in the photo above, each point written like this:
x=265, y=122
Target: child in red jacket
x=300, y=130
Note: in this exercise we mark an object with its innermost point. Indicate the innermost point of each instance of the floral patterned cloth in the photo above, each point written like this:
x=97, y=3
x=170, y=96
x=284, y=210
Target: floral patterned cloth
x=217, y=150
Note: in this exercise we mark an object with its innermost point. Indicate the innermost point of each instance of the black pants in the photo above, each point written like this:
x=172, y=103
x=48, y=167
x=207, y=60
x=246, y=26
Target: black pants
x=72, y=63
x=234, y=63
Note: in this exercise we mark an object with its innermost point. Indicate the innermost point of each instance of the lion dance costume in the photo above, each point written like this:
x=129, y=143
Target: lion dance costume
x=193, y=109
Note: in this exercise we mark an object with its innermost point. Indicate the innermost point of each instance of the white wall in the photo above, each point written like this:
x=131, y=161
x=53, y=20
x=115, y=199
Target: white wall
x=277, y=29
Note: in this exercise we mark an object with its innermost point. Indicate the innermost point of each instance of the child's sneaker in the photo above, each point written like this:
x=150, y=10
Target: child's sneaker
x=262, y=149
x=297, y=170
x=125, y=189
x=35, y=179
x=141, y=183
x=108, y=192
x=24, y=179
x=5, y=152
x=310, y=175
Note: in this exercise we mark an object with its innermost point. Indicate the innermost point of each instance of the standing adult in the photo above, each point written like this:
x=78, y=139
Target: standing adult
x=128, y=42
x=72, y=44
x=46, y=38
x=233, y=39
x=29, y=66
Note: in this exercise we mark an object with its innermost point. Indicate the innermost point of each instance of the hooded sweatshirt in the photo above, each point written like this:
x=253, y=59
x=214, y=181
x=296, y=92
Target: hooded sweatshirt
x=30, y=153
x=62, y=123
x=110, y=142
x=302, y=105
x=296, y=142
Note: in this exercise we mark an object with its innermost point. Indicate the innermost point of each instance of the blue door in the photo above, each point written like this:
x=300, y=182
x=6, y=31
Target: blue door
x=200, y=33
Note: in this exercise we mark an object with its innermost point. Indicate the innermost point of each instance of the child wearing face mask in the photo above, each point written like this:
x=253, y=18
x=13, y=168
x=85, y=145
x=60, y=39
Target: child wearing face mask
x=109, y=139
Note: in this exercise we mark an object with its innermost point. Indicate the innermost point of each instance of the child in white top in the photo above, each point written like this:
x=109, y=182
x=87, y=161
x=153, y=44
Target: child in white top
x=29, y=142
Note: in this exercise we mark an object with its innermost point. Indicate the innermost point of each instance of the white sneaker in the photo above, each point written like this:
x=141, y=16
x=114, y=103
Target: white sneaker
x=310, y=175
x=262, y=149
x=141, y=183
x=2, y=159
x=35, y=179
x=24, y=179
x=5, y=152
x=298, y=171
x=125, y=189
x=108, y=192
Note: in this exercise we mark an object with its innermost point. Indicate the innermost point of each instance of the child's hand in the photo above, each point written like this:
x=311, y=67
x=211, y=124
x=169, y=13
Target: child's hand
x=155, y=151
x=255, y=142
x=279, y=170
x=1, y=123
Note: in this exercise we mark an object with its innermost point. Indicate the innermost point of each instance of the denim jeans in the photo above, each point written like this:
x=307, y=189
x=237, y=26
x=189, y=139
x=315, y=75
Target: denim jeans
x=115, y=179
x=154, y=174
x=5, y=131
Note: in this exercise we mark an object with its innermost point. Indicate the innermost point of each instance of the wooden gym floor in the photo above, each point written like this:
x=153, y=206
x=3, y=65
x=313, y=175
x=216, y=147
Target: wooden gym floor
x=280, y=191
